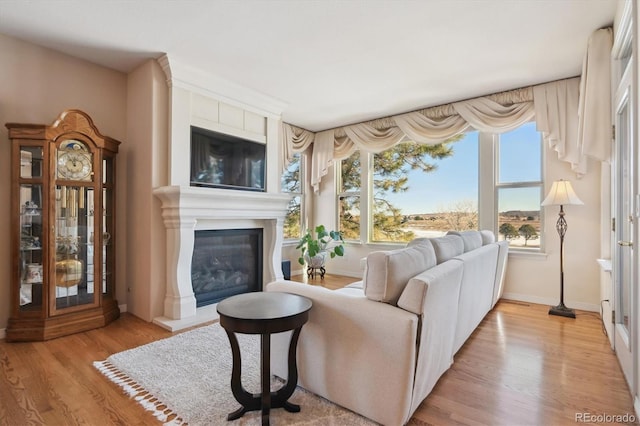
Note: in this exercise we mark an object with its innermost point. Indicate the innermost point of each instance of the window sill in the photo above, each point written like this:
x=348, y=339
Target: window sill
x=522, y=254
x=288, y=243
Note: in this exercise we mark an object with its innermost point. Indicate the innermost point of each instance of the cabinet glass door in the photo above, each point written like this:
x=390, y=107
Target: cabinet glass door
x=31, y=254
x=31, y=257
x=74, y=264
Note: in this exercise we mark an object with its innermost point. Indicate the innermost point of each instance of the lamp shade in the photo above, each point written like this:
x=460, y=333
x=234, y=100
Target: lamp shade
x=561, y=193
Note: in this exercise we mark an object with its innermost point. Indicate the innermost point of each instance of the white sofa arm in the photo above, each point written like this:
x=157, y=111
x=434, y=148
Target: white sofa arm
x=434, y=294
x=349, y=346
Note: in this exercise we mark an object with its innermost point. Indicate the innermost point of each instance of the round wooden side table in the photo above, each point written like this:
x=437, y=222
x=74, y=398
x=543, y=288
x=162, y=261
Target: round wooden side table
x=263, y=313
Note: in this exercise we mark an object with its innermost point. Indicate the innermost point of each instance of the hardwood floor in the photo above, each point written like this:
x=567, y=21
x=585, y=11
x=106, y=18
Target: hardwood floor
x=520, y=367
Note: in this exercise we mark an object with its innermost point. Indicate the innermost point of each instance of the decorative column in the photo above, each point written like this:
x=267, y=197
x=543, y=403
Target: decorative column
x=179, y=301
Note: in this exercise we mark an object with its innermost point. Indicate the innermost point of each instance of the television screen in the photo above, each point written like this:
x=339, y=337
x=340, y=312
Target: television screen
x=224, y=161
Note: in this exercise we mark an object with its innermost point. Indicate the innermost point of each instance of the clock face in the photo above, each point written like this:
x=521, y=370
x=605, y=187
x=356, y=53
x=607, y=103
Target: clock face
x=74, y=163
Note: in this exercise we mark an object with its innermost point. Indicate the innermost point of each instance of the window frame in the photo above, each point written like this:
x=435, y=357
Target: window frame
x=488, y=188
x=497, y=186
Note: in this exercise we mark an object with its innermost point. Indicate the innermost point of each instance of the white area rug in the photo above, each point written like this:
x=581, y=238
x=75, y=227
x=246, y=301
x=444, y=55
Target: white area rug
x=185, y=379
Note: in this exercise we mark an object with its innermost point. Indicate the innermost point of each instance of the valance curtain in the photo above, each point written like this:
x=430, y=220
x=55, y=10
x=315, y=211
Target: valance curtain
x=572, y=134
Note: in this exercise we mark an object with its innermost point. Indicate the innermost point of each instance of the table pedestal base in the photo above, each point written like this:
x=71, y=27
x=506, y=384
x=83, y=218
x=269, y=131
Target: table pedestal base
x=266, y=399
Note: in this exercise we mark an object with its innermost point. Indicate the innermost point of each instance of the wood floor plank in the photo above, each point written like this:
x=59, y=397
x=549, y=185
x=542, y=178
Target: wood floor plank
x=520, y=367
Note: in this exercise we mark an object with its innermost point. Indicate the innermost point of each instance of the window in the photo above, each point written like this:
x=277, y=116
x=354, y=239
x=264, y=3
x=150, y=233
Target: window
x=291, y=183
x=519, y=186
x=349, y=197
x=427, y=190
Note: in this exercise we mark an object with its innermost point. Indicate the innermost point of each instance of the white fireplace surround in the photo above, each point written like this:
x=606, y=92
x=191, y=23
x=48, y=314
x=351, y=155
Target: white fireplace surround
x=187, y=209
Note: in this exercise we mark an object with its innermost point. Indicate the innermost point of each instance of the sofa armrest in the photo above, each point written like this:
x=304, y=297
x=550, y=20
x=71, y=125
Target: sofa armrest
x=503, y=255
x=348, y=347
x=434, y=294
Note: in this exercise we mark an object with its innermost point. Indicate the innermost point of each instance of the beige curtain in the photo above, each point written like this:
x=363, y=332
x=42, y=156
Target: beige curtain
x=293, y=140
x=428, y=126
x=485, y=115
x=594, y=111
x=554, y=106
x=556, y=112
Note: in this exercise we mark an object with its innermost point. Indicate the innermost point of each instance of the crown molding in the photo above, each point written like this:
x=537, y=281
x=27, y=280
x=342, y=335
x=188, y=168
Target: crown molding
x=184, y=76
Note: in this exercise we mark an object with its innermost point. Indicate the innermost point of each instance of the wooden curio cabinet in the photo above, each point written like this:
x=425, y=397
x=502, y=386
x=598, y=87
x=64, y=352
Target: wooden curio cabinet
x=62, y=228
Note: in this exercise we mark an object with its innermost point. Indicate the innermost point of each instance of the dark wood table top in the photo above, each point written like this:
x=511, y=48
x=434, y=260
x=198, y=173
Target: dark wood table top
x=263, y=312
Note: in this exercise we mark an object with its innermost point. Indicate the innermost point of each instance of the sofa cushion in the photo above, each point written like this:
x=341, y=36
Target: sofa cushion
x=488, y=237
x=471, y=239
x=388, y=272
x=419, y=240
x=447, y=247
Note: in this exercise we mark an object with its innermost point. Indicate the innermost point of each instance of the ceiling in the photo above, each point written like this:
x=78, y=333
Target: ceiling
x=331, y=62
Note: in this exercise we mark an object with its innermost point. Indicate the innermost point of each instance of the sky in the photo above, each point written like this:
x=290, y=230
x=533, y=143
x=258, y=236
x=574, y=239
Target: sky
x=456, y=178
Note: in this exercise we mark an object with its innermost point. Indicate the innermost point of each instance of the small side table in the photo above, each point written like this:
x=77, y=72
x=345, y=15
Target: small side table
x=263, y=313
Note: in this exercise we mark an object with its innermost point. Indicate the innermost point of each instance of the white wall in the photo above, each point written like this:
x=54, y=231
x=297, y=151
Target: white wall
x=37, y=85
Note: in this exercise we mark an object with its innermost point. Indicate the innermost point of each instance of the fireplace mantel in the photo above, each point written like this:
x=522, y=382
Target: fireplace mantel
x=185, y=209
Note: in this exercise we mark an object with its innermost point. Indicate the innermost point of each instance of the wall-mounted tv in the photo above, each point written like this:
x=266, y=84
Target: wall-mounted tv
x=223, y=161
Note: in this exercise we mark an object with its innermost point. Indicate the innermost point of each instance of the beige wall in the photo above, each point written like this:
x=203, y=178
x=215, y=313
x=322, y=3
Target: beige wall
x=36, y=85
x=145, y=168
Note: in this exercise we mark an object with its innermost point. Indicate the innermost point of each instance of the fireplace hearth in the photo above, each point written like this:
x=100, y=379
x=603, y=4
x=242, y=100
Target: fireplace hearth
x=225, y=263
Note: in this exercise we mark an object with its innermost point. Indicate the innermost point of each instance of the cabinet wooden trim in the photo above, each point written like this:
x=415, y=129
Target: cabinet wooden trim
x=63, y=228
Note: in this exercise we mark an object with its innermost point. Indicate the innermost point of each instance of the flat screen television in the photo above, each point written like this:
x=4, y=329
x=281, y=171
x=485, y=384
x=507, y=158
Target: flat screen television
x=223, y=161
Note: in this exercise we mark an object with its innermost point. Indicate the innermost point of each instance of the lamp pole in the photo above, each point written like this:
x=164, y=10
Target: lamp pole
x=561, y=309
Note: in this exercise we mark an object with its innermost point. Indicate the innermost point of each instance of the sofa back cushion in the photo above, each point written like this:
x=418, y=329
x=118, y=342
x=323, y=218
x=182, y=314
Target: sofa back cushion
x=471, y=239
x=488, y=237
x=387, y=272
x=447, y=247
x=419, y=240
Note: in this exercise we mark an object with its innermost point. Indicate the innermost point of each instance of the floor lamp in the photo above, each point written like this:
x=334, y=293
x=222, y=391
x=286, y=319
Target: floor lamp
x=561, y=194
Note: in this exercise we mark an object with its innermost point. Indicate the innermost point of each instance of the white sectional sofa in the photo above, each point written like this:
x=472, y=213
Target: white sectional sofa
x=379, y=346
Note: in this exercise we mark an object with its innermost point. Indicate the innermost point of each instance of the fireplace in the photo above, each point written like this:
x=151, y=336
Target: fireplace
x=186, y=212
x=226, y=262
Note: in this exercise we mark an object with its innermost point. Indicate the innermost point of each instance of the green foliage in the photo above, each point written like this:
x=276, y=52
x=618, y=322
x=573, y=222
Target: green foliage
x=290, y=182
x=508, y=231
x=391, y=169
x=292, y=220
x=528, y=232
x=313, y=244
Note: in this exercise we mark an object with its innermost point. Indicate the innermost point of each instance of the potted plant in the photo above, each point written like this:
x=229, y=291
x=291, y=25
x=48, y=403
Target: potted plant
x=316, y=246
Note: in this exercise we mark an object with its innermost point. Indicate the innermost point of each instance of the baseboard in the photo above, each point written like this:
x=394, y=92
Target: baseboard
x=551, y=302
x=636, y=406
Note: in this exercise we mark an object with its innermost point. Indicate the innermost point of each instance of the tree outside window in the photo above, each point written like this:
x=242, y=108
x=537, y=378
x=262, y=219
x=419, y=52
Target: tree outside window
x=291, y=183
x=399, y=207
x=519, y=187
x=349, y=198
